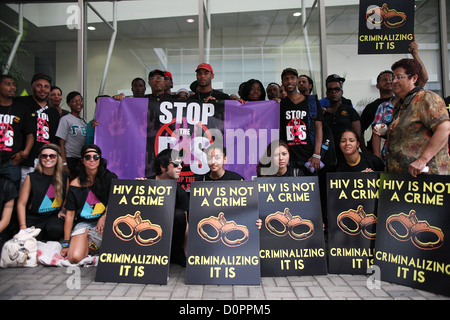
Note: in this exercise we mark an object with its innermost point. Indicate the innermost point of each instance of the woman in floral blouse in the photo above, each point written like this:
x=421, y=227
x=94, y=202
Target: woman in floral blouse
x=418, y=134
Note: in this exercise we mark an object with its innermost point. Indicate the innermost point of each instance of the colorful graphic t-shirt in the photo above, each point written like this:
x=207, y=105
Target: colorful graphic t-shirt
x=86, y=204
x=15, y=124
x=294, y=128
x=42, y=200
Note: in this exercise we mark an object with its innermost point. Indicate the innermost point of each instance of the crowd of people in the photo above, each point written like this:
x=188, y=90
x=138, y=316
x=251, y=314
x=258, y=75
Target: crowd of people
x=53, y=178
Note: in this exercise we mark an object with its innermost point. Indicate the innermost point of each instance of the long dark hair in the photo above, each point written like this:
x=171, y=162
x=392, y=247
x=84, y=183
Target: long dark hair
x=101, y=184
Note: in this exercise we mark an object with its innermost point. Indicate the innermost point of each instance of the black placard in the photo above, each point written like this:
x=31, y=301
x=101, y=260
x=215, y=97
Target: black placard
x=385, y=26
x=292, y=238
x=352, y=199
x=223, y=243
x=138, y=232
x=412, y=246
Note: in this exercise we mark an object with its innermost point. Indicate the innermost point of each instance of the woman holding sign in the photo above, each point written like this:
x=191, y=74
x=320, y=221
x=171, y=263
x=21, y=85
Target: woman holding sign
x=86, y=205
x=355, y=161
x=418, y=133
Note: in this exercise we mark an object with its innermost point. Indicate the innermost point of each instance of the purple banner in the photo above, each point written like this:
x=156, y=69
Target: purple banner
x=249, y=128
x=121, y=135
x=131, y=132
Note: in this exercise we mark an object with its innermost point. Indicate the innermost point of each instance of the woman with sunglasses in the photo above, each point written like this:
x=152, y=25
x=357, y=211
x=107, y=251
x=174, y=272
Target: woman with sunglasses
x=71, y=132
x=43, y=194
x=86, y=206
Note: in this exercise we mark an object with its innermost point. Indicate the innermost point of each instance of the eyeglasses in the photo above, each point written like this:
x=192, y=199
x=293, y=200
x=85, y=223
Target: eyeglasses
x=88, y=157
x=399, y=77
x=51, y=156
x=335, y=89
x=157, y=78
x=176, y=163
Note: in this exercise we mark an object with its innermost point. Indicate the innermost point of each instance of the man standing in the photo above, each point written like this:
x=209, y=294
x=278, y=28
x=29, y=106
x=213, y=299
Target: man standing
x=340, y=115
x=305, y=84
x=294, y=124
x=16, y=131
x=204, y=91
x=138, y=87
x=45, y=119
x=157, y=82
x=168, y=166
x=384, y=86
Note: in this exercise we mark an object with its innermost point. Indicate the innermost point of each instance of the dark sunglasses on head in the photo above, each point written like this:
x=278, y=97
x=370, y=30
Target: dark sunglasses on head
x=177, y=163
x=45, y=156
x=87, y=157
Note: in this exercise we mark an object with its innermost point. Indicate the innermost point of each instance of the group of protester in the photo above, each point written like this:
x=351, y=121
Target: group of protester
x=60, y=181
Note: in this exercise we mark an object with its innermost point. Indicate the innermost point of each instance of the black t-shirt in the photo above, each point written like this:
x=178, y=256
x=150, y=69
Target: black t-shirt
x=45, y=121
x=181, y=199
x=42, y=201
x=228, y=175
x=215, y=93
x=7, y=192
x=86, y=204
x=15, y=125
x=341, y=120
x=367, y=161
x=294, y=128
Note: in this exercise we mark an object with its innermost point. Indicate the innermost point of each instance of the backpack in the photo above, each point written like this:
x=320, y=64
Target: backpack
x=327, y=152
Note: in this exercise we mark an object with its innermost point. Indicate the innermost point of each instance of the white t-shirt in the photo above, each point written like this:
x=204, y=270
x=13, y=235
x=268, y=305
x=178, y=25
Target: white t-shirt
x=73, y=130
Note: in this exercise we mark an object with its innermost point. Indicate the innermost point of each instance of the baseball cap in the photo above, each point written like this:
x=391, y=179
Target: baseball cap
x=167, y=73
x=204, y=66
x=39, y=76
x=334, y=78
x=156, y=71
x=289, y=70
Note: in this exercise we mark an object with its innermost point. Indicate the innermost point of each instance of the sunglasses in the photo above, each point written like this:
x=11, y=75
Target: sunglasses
x=336, y=89
x=177, y=163
x=45, y=156
x=88, y=157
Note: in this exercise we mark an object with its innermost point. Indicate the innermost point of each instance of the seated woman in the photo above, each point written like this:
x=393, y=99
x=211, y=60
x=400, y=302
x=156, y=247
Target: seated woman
x=8, y=194
x=87, y=197
x=277, y=165
x=355, y=161
x=43, y=194
x=217, y=157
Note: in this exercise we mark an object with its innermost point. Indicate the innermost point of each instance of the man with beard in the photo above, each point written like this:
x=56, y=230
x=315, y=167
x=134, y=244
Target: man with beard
x=305, y=84
x=295, y=127
x=45, y=119
x=205, y=92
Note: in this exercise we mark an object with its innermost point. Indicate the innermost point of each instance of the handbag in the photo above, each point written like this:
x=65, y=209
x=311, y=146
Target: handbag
x=21, y=250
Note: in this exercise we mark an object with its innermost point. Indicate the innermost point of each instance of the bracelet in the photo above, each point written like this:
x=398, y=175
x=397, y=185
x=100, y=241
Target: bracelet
x=65, y=244
x=316, y=156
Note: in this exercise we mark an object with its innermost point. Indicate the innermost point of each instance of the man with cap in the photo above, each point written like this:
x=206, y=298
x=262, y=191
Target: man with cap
x=340, y=114
x=295, y=126
x=168, y=79
x=325, y=102
x=16, y=131
x=204, y=91
x=45, y=120
x=157, y=82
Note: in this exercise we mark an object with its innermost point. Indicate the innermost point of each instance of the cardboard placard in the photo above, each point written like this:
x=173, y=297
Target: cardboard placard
x=138, y=232
x=292, y=238
x=413, y=245
x=352, y=199
x=385, y=26
x=223, y=243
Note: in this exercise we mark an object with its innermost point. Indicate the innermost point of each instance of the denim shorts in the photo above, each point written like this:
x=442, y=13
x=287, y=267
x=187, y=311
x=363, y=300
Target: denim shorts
x=93, y=235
